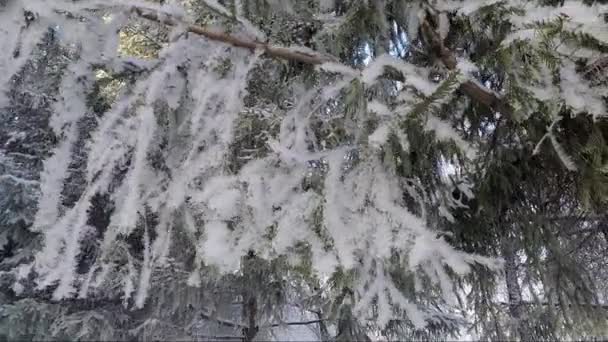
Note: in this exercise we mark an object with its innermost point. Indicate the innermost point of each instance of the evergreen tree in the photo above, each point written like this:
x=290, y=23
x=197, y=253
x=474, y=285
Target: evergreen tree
x=303, y=169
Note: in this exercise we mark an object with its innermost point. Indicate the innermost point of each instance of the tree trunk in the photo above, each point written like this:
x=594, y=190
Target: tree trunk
x=249, y=294
x=250, y=311
x=323, y=329
x=516, y=309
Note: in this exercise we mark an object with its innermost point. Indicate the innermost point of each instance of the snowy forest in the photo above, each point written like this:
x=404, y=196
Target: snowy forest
x=303, y=170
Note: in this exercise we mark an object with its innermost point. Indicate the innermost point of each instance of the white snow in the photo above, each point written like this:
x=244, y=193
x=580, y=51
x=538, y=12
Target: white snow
x=580, y=17
x=466, y=7
x=414, y=76
x=524, y=34
x=379, y=108
x=444, y=131
x=379, y=137
x=578, y=94
x=339, y=69
x=465, y=66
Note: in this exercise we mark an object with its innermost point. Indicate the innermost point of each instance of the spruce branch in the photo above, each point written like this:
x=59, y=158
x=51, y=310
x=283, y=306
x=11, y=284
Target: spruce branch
x=544, y=304
x=272, y=51
x=443, y=93
x=315, y=321
x=473, y=90
x=597, y=72
x=223, y=338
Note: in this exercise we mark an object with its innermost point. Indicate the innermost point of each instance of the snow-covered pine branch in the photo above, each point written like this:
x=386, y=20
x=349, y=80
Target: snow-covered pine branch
x=222, y=148
x=130, y=131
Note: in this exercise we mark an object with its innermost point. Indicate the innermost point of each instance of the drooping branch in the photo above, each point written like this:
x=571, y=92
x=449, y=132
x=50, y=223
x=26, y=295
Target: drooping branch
x=86, y=304
x=473, y=90
x=545, y=304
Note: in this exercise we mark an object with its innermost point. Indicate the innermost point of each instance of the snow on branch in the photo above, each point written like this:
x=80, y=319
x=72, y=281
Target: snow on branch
x=562, y=154
x=444, y=131
x=559, y=149
x=577, y=93
x=164, y=145
x=273, y=51
x=472, y=89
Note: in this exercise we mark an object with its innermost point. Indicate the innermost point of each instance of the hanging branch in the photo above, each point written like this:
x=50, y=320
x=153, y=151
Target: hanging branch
x=473, y=90
x=527, y=303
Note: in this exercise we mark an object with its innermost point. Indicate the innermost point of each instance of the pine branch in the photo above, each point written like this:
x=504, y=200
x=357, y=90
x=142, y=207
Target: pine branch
x=229, y=338
x=438, y=97
x=273, y=51
x=574, y=218
x=224, y=322
x=593, y=230
x=218, y=12
x=315, y=321
x=475, y=91
x=595, y=306
x=597, y=71
x=83, y=304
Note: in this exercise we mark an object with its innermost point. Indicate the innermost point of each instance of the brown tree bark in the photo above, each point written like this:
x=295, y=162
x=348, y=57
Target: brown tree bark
x=473, y=90
x=272, y=51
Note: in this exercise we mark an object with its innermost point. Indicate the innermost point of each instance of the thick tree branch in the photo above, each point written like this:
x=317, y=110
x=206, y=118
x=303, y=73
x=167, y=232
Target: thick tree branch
x=473, y=90
x=273, y=51
x=315, y=321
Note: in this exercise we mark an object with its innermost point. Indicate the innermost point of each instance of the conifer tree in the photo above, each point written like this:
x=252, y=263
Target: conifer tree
x=303, y=169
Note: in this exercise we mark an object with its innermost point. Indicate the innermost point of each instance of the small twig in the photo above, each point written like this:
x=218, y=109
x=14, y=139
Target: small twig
x=546, y=136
